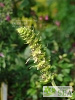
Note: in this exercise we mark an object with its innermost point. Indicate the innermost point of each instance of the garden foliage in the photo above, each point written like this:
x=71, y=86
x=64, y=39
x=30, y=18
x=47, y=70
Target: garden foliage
x=55, y=23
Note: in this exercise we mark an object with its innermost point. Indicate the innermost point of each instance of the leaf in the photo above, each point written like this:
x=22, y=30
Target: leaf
x=60, y=77
x=73, y=96
x=24, y=4
x=27, y=52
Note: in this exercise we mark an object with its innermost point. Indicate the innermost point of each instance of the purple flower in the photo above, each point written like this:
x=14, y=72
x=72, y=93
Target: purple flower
x=1, y=4
x=8, y=18
x=41, y=18
x=1, y=54
x=57, y=23
x=47, y=18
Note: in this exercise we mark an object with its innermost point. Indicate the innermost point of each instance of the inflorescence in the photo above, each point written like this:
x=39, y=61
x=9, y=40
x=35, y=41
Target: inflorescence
x=38, y=50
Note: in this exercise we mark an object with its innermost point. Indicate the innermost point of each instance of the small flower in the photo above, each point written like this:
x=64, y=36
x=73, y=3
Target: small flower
x=8, y=18
x=1, y=55
x=57, y=23
x=40, y=25
x=47, y=18
x=1, y=4
x=41, y=18
x=73, y=45
x=33, y=13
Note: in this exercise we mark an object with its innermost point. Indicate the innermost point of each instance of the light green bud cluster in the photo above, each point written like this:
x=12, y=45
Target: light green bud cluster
x=38, y=51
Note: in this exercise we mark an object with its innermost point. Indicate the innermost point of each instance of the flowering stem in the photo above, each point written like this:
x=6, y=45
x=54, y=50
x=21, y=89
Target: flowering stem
x=39, y=53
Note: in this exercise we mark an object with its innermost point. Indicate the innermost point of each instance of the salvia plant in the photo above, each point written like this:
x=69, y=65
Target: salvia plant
x=38, y=50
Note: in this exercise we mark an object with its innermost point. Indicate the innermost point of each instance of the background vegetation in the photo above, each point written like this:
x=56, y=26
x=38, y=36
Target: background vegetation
x=55, y=20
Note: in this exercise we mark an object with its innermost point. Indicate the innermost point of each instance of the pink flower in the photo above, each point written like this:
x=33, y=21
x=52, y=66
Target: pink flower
x=1, y=4
x=40, y=25
x=1, y=54
x=8, y=18
x=41, y=18
x=47, y=18
x=57, y=23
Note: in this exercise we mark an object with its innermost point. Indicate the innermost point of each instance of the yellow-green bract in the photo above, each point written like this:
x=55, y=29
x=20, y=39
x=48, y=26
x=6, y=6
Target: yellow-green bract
x=39, y=53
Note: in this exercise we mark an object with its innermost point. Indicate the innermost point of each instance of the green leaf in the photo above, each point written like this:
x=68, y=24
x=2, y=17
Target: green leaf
x=73, y=95
x=24, y=4
x=60, y=77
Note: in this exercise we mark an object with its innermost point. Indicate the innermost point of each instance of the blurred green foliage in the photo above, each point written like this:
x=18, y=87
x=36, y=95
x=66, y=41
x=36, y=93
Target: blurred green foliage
x=56, y=23
x=22, y=7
